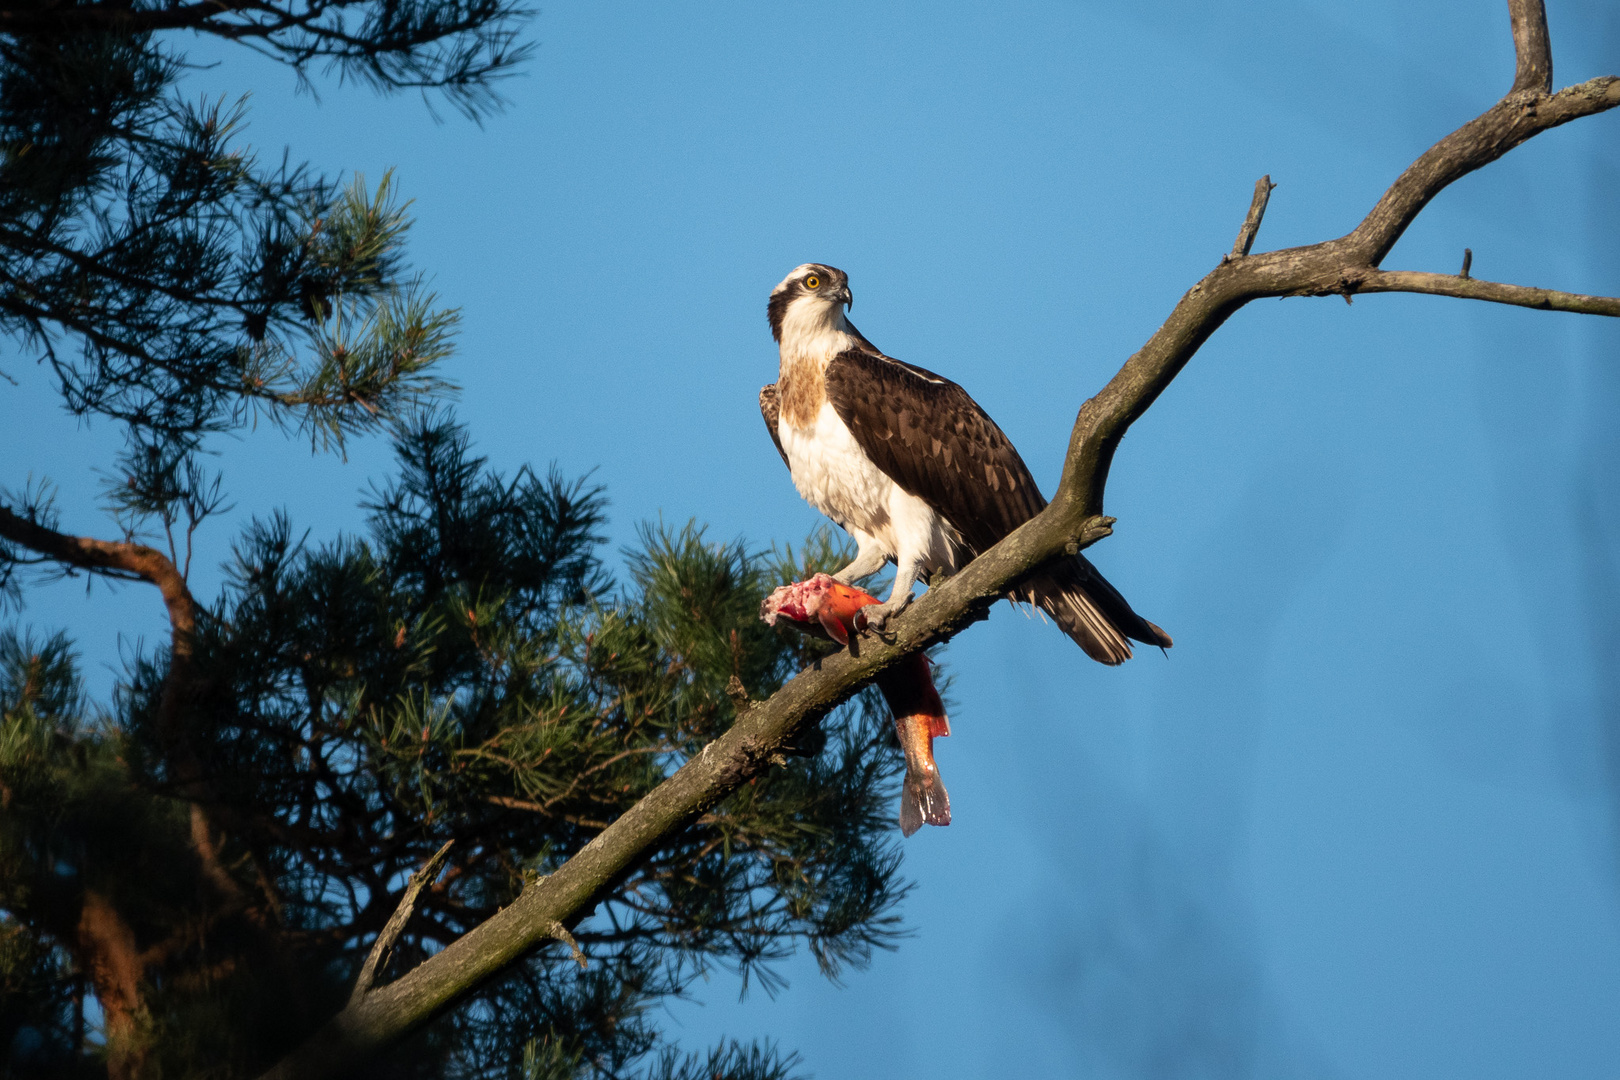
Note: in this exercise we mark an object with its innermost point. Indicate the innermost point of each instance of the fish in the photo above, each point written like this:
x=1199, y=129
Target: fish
x=825, y=607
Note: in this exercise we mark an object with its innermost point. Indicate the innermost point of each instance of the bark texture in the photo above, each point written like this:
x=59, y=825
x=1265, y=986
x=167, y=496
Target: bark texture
x=106, y=951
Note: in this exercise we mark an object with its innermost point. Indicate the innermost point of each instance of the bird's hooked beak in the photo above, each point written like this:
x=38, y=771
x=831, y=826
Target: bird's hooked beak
x=845, y=295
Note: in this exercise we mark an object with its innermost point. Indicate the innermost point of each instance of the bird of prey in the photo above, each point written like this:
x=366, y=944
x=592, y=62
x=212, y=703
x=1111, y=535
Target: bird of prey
x=912, y=468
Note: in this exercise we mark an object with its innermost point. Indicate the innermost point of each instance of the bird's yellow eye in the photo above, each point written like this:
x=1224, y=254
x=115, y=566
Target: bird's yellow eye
x=812, y=282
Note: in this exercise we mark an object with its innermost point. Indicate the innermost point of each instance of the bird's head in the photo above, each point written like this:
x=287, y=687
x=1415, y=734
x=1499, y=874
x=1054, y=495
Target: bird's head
x=814, y=294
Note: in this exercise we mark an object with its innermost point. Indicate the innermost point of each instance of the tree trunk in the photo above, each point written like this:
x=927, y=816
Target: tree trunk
x=108, y=956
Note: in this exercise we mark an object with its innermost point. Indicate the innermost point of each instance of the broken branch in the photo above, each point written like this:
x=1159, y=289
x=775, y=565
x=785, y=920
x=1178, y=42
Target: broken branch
x=396, y=925
x=1257, y=213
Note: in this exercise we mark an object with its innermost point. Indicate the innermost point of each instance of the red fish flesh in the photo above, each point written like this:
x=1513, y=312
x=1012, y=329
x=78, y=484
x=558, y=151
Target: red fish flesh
x=828, y=608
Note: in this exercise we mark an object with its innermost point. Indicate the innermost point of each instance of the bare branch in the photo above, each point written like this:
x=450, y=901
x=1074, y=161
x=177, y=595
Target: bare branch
x=1532, y=46
x=1519, y=116
x=1468, y=261
x=1257, y=212
x=396, y=925
x=1331, y=268
x=560, y=932
x=1466, y=288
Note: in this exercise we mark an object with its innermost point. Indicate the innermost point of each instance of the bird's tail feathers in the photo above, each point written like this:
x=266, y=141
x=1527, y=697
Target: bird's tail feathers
x=1090, y=610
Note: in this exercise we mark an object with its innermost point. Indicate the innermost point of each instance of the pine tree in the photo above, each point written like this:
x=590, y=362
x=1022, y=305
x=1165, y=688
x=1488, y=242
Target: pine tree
x=465, y=673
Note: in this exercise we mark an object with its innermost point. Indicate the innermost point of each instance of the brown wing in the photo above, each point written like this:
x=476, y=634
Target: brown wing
x=771, y=407
x=933, y=440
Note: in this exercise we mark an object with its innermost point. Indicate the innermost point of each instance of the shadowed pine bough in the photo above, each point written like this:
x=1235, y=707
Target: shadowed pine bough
x=458, y=685
x=459, y=47
x=174, y=283
x=1074, y=520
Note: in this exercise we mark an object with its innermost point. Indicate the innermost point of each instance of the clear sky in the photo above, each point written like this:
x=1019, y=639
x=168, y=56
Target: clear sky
x=1362, y=821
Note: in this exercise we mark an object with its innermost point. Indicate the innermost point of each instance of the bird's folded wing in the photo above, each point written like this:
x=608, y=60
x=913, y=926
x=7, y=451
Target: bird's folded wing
x=932, y=439
x=770, y=406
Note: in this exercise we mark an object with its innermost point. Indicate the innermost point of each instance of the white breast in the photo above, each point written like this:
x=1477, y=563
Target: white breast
x=835, y=476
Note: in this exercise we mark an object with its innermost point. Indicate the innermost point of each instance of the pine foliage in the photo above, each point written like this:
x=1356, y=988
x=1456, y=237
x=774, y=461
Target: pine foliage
x=464, y=671
x=176, y=284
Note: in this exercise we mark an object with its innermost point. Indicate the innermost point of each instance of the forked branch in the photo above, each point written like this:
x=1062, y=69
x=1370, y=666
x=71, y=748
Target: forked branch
x=396, y=924
x=128, y=560
x=1074, y=520
x=1333, y=267
x=1257, y=212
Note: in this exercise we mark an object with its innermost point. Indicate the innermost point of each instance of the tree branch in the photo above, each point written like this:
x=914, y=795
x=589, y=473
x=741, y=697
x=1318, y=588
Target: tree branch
x=107, y=953
x=148, y=564
x=459, y=46
x=1519, y=116
x=43, y=19
x=396, y=924
x=1468, y=288
x=1532, y=46
x=1072, y=521
x=1257, y=213
x=1331, y=268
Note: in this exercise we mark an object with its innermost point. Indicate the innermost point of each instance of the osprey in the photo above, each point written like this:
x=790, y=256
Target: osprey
x=912, y=468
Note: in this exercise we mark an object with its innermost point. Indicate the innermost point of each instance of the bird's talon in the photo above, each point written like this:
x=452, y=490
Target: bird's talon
x=875, y=618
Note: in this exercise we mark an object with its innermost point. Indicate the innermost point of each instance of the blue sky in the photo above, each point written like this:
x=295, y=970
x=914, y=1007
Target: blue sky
x=1361, y=822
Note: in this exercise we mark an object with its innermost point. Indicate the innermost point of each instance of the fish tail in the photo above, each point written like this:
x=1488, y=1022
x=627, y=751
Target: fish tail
x=919, y=718
x=923, y=799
